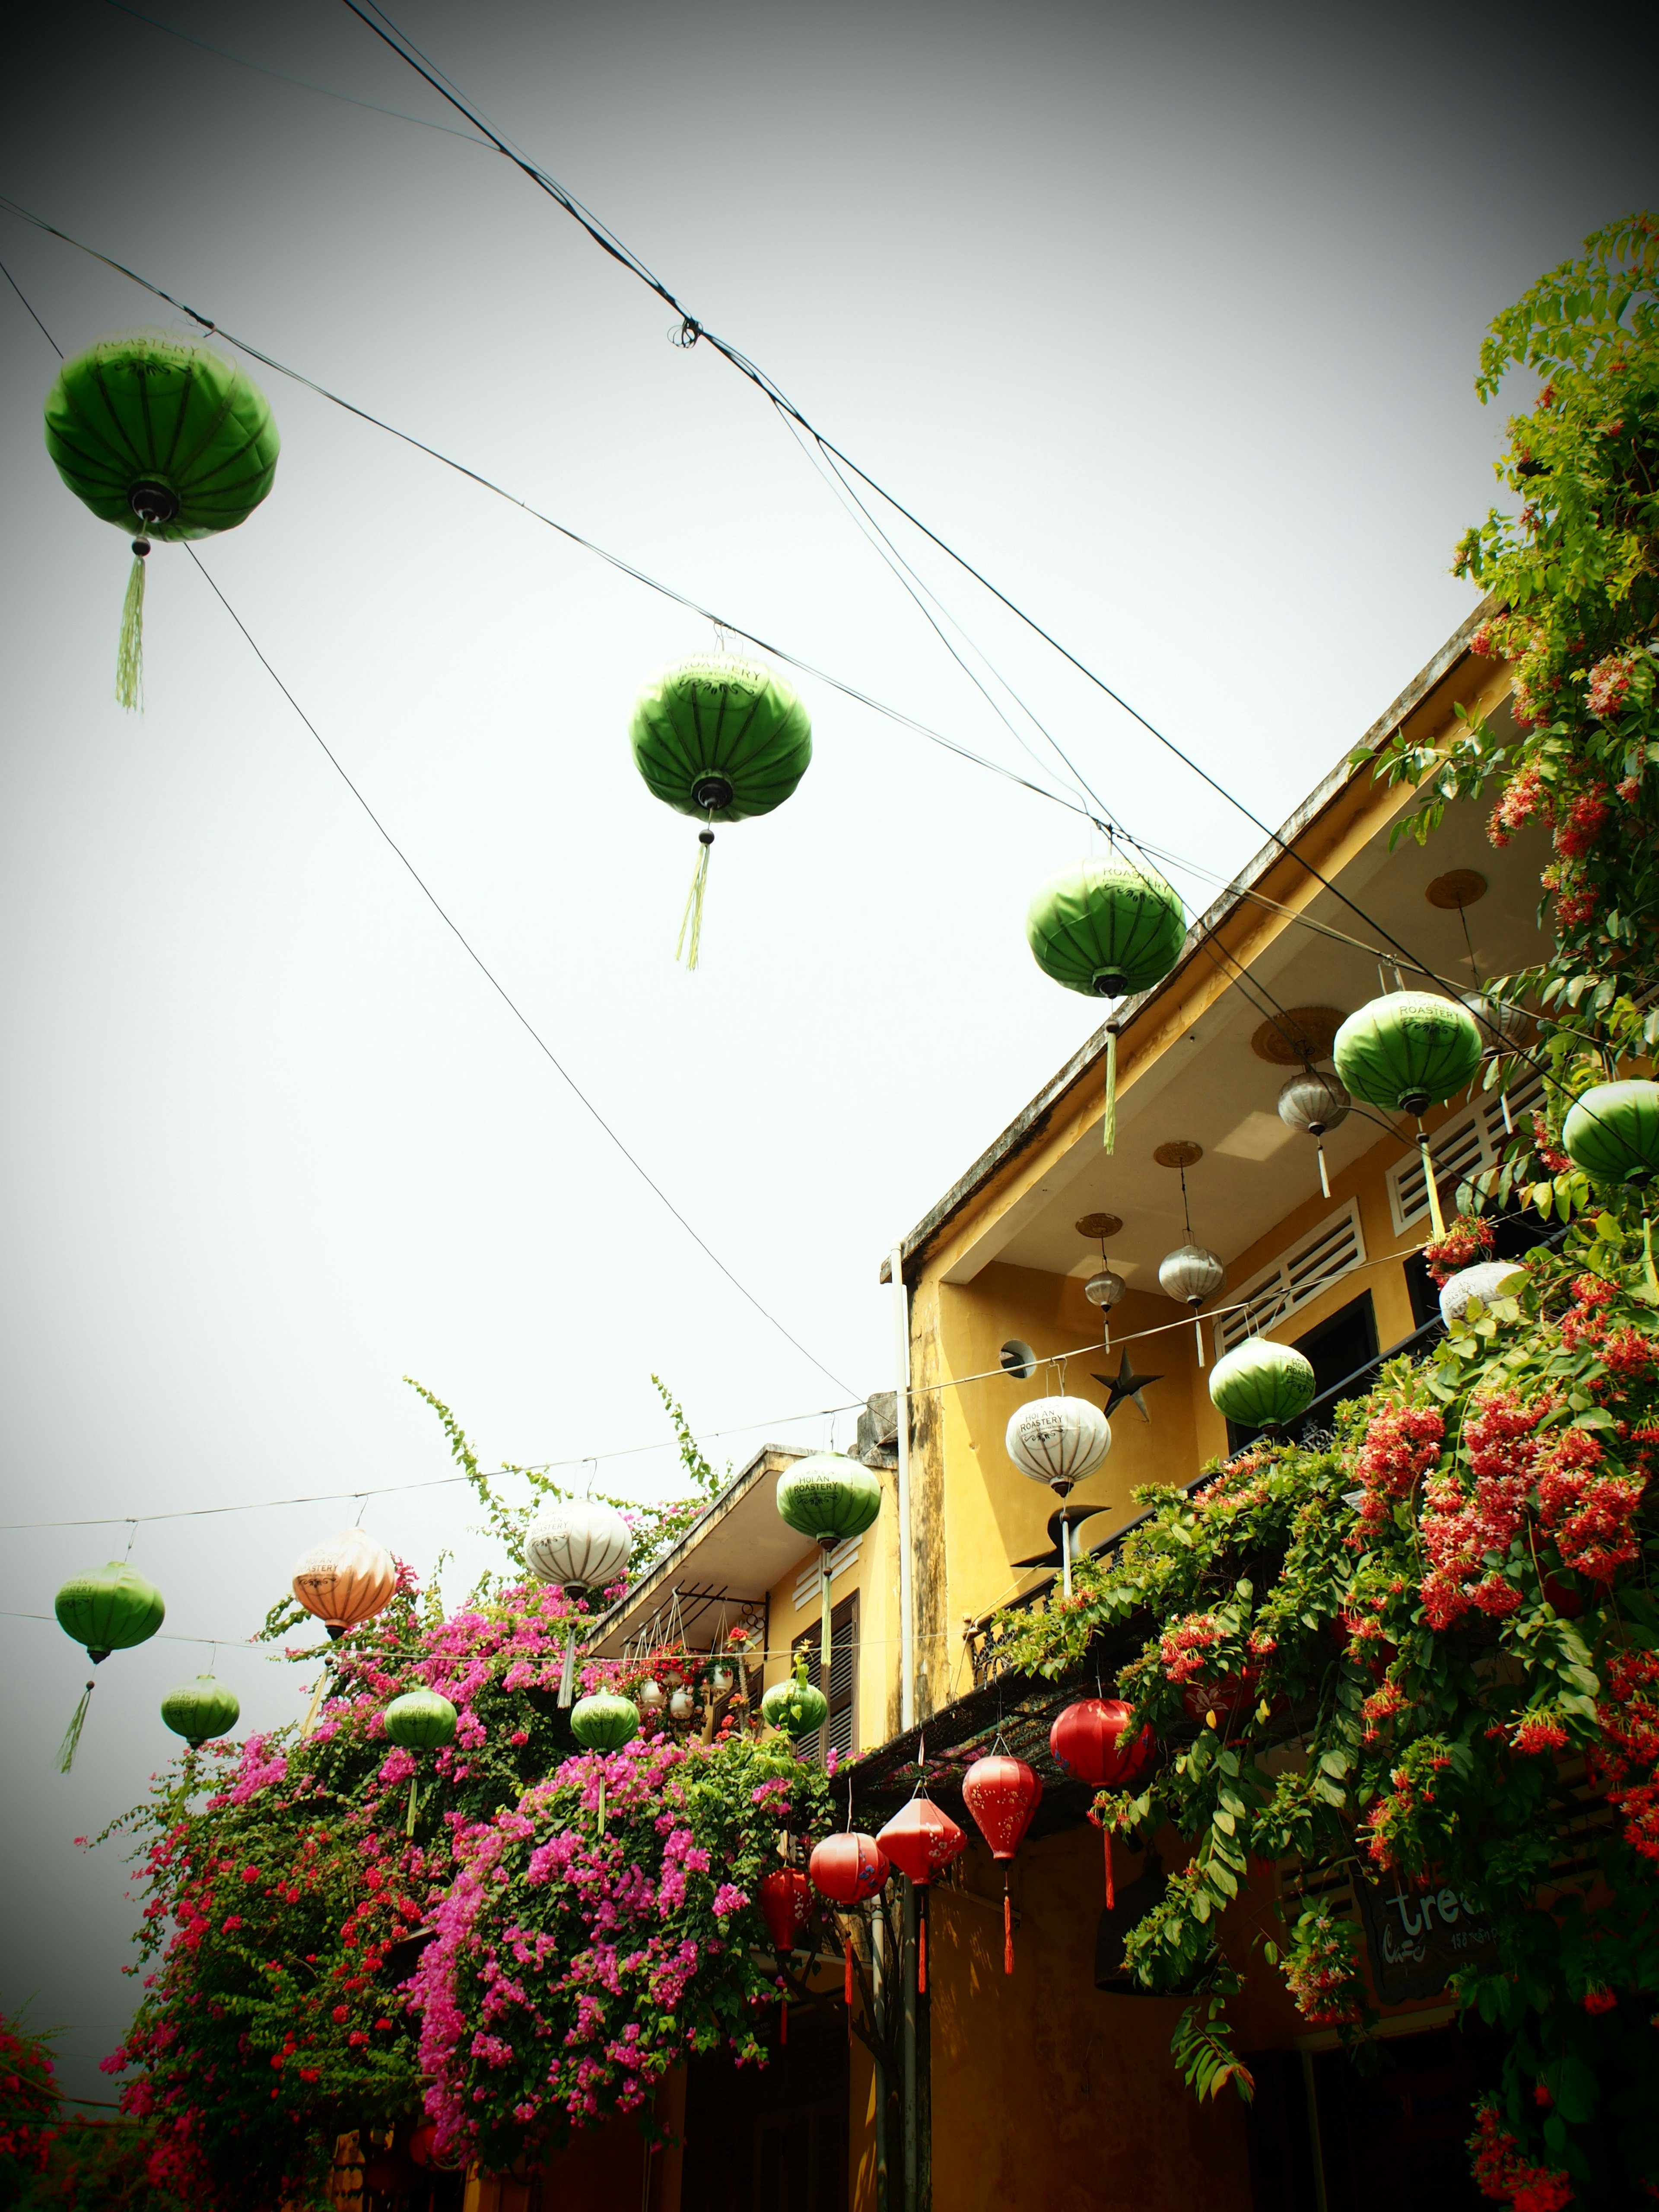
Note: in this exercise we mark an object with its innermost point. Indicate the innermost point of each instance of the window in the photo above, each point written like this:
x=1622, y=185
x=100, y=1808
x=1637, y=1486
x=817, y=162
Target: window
x=840, y=1731
x=1302, y=1272
x=1472, y=1139
x=1343, y=1343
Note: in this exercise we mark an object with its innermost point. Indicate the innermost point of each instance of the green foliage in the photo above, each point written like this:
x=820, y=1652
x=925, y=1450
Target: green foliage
x=691, y=1459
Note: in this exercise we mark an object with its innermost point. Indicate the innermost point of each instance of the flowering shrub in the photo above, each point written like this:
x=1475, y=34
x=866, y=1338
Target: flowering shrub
x=28, y=2106
x=1467, y=1240
x=1447, y=1623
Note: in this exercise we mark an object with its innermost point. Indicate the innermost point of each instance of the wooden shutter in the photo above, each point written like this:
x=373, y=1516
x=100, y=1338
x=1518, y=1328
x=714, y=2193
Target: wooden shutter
x=841, y=1729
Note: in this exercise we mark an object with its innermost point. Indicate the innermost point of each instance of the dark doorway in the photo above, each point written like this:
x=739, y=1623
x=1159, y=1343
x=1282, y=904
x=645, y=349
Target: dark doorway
x=1398, y=2137
x=770, y=2138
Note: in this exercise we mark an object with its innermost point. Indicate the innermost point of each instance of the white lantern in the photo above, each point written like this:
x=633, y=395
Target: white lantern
x=578, y=1544
x=1058, y=1440
x=1191, y=1274
x=1489, y=1279
x=1313, y=1100
x=1104, y=1289
x=680, y=1704
x=650, y=1695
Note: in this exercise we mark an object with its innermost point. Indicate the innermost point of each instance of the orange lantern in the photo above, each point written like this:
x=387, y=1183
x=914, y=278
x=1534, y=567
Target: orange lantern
x=346, y=1581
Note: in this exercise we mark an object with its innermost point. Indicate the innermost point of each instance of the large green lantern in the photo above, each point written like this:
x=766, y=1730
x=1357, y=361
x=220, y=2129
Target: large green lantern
x=1106, y=927
x=111, y=1609
x=201, y=1709
x=157, y=432
x=420, y=1719
x=829, y=1498
x=605, y=1722
x=1407, y=1051
x=1612, y=1132
x=1262, y=1385
x=795, y=1705
x=722, y=737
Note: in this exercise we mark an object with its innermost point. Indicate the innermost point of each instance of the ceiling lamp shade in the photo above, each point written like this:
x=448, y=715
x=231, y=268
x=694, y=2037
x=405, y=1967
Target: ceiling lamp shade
x=111, y=1609
x=578, y=1544
x=1262, y=1385
x=1315, y=1100
x=1407, y=1051
x=421, y=1720
x=605, y=1723
x=1058, y=1440
x=1486, y=1281
x=722, y=737
x=848, y=1868
x=1108, y=928
x=201, y=1709
x=346, y=1581
x=1190, y=1275
x=1612, y=1132
x=829, y=1498
x=161, y=435
x=1002, y=1793
x=786, y=1904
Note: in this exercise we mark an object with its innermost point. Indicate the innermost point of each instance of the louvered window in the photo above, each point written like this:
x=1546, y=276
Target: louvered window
x=840, y=1731
x=1471, y=1140
x=1308, y=1267
x=809, y=1581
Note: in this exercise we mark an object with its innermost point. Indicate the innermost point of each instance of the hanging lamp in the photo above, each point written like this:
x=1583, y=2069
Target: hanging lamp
x=1192, y=1273
x=1106, y=1286
x=1262, y=1385
x=1486, y=1281
x=829, y=1499
x=111, y=1609
x=1404, y=1052
x=1091, y=1740
x=920, y=1840
x=722, y=737
x=797, y=1706
x=786, y=1904
x=159, y=434
x=1108, y=928
x=604, y=1722
x=1002, y=1793
x=1612, y=1132
x=420, y=1719
x=579, y=1545
x=1315, y=1101
x=201, y=1709
x=848, y=1869
x=346, y=1581
x=1060, y=1442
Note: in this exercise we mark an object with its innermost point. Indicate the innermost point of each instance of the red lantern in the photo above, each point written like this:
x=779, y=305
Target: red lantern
x=1221, y=1694
x=421, y=2142
x=1002, y=1793
x=1090, y=1739
x=920, y=1839
x=786, y=1901
x=848, y=1868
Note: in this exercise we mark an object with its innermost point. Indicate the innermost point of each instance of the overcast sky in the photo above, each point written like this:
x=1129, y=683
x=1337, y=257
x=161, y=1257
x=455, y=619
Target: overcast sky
x=1167, y=319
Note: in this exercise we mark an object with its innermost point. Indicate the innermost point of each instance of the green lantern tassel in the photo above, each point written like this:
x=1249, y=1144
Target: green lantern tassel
x=1109, y=1127
x=129, y=654
x=601, y=1800
x=1647, y=1258
x=1435, y=1215
x=414, y=1800
x=692, y=919
x=823, y=1627
x=72, y=1734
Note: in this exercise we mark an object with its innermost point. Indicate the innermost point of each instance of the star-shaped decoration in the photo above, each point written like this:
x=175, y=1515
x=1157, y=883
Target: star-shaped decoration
x=1127, y=1386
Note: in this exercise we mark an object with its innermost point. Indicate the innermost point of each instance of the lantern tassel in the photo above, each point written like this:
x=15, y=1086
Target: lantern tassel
x=692, y=919
x=72, y=1734
x=823, y=1628
x=1435, y=1215
x=1111, y=1891
x=414, y=1800
x=921, y=1952
x=1508, y=1124
x=310, y=1720
x=1109, y=1126
x=1647, y=1258
x=129, y=653
x=1324, y=1179
x=847, y=1984
x=601, y=1800
x=1198, y=1331
x=568, y=1678
x=783, y=2023
x=1008, y=1929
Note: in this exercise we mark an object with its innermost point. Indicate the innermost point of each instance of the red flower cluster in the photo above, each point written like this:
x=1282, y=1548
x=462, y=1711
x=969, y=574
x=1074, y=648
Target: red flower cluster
x=1556, y=1161
x=1626, y=1763
x=1505, y=2177
x=1525, y=800
x=1468, y=1238
x=1187, y=1644
x=1589, y=1509
x=29, y=2093
x=1586, y=819
x=1459, y=1529
x=1609, y=685
x=1539, y=1732
x=1400, y=1444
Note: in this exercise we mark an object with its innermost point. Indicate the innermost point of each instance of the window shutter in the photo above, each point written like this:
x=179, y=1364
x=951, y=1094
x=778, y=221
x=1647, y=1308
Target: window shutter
x=839, y=1732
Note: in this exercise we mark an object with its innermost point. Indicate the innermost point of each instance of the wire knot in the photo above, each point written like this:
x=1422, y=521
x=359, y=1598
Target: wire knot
x=689, y=332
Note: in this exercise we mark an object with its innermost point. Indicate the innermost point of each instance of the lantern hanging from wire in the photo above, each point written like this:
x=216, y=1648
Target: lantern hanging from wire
x=111, y=1609
x=1060, y=1442
x=849, y=1870
x=722, y=737
x=1262, y=1385
x=921, y=1839
x=579, y=1545
x=166, y=438
x=1107, y=928
x=786, y=1904
x=1105, y=1286
x=829, y=1499
x=1093, y=1741
x=1315, y=1101
x=420, y=1719
x=1191, y=1273
x=1486, y=1281
x=1612, y=1132
x=1002, y=1793
x=604, y=1722
x=346, y=1581
x=1405, y=1052
x=199, y=1712
x=796, y=1705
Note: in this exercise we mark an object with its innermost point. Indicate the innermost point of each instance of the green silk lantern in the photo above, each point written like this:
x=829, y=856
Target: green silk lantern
x=829, y=1498
x=154, y=429
x=795, y=1705
x=1106, y=927
x=110, y=1610
x=605, y=1722
x=201, y=1709
x=723, y=737
x=1407, y=1051
x=420, y=1719
x=1612, y=1132
x=1262, y=1385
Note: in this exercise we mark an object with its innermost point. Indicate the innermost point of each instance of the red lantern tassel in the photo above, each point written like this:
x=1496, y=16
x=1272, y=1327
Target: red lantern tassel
x=847, y=1987
x=921, y=1955
x=1111, y=1895
x=1008, y=1930
x=783, y=2022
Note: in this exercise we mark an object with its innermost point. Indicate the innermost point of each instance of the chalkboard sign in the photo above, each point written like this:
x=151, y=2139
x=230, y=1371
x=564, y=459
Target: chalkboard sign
x=1417, y=1940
